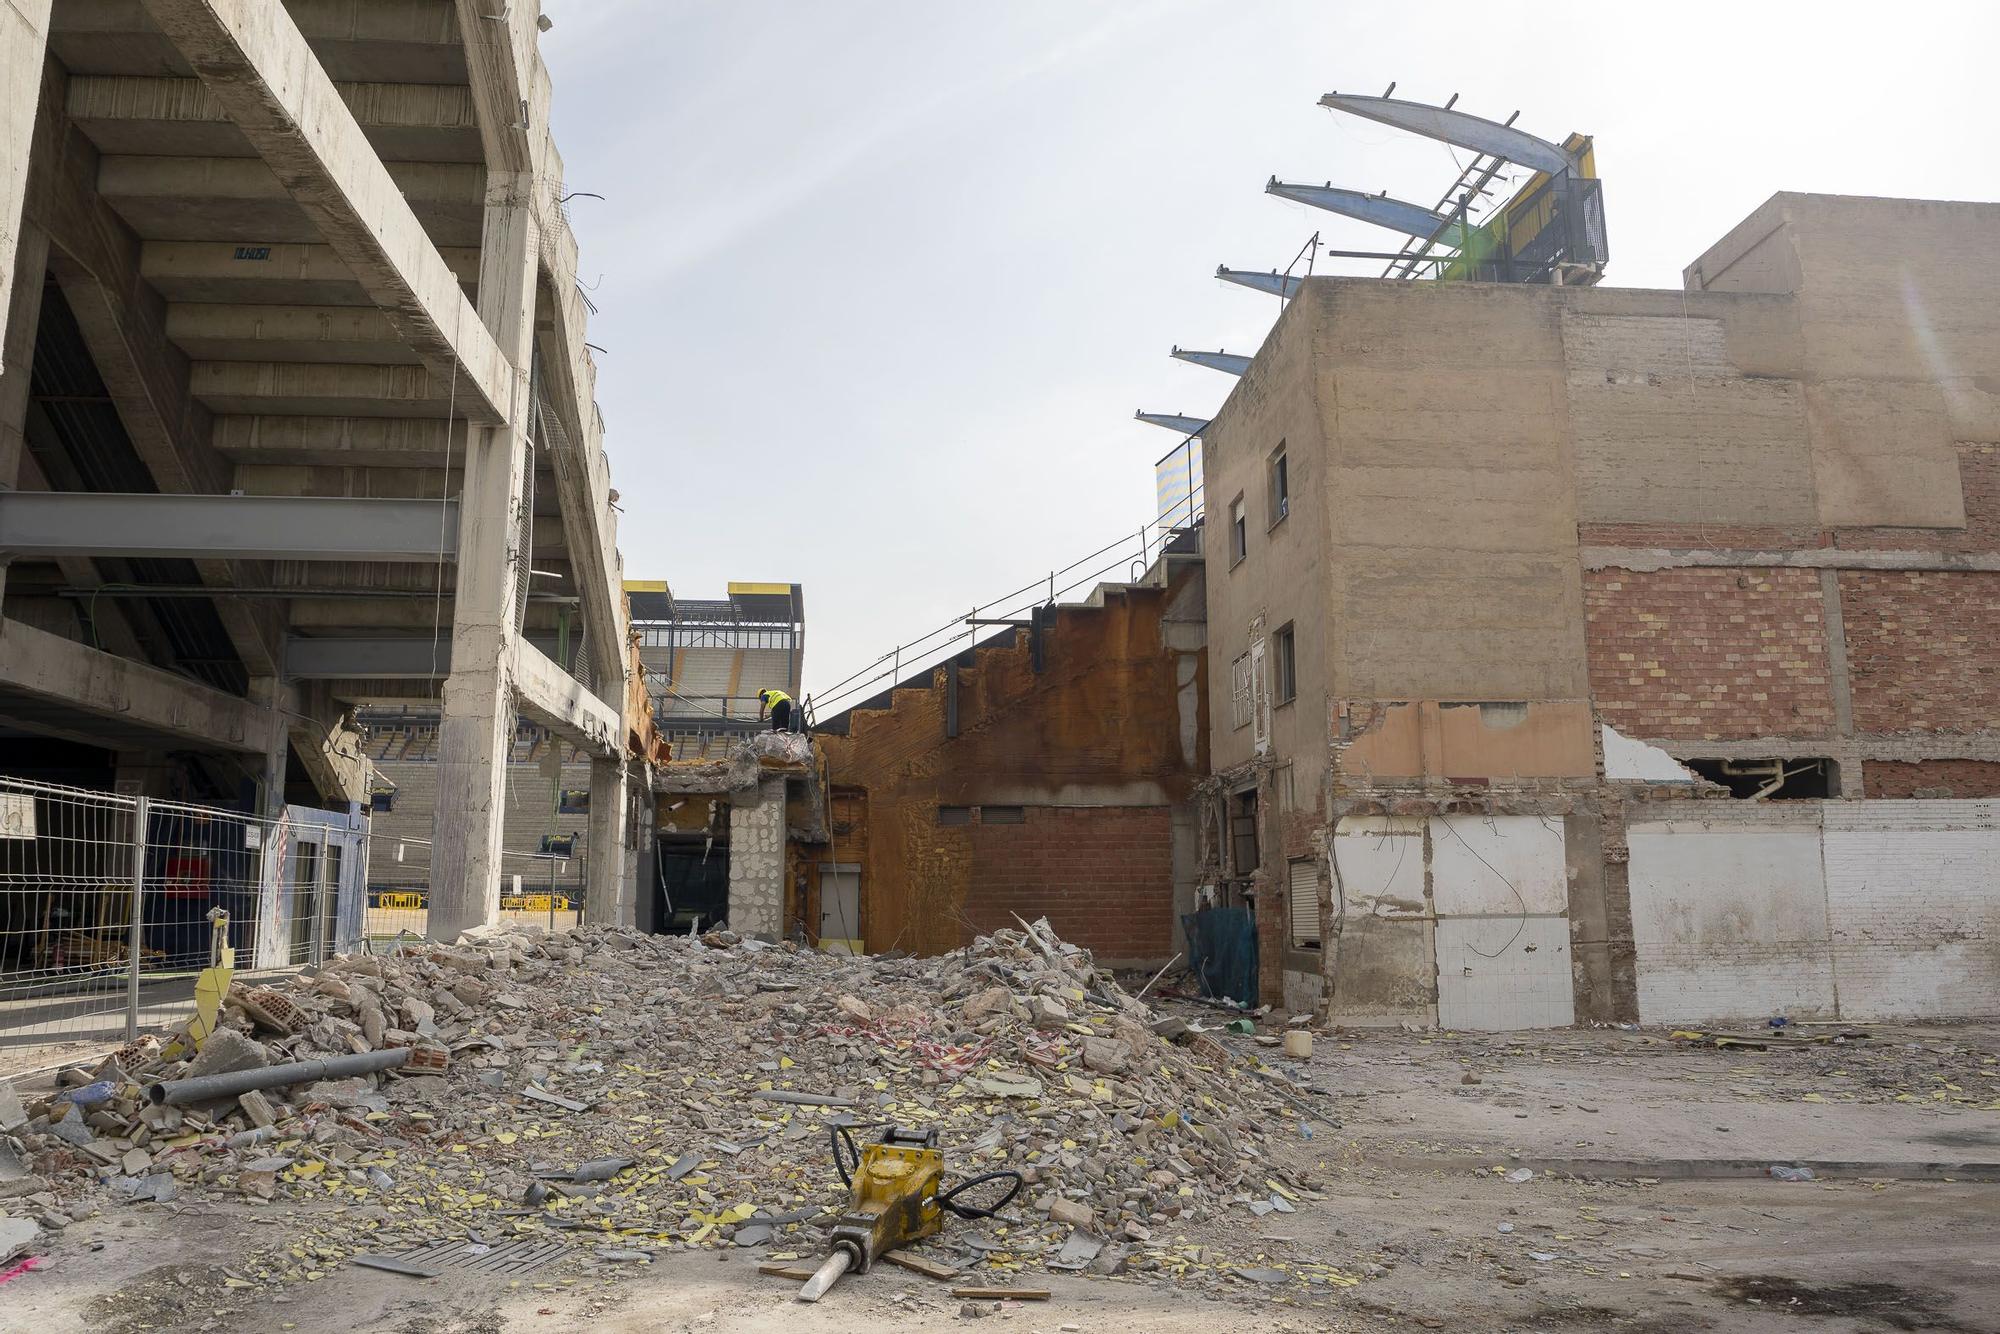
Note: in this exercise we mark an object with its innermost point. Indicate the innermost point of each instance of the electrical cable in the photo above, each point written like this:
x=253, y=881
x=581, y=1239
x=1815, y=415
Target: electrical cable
x=1521, y=922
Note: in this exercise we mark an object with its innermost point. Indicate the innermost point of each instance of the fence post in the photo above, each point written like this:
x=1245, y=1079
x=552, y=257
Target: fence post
x=135, y=933
x=319, y=899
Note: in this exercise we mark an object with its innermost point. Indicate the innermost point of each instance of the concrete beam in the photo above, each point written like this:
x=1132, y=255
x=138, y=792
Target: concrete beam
x=404, y=41
x=317, y=389
x=378, y=658
x=47, y=524
x=258, y=65
x=221, y=272
x=239, y=199
x=374, y=442
x=561, y=703
x=179, y=117
x=343, y=335
x=52, y=671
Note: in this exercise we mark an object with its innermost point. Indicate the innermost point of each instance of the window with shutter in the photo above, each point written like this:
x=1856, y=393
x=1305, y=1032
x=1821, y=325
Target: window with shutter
x=1239, y=691
x=1260, y=700
x=1303, y=896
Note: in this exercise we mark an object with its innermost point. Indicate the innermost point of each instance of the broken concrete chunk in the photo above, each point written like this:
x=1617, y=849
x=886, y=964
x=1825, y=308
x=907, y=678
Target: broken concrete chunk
x=1105, y=1056
x=257, y=1107
x=12, y=1114
x=17, y=1235
x=860, y=1011
x=224, y=1051
x=1071, y=1212
x=1048, y=1012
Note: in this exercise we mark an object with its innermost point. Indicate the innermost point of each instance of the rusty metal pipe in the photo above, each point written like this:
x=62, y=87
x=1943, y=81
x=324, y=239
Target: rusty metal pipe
x=213, y=1088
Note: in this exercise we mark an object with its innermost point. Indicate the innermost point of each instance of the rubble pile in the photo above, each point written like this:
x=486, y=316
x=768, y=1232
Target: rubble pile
x=654, y=1092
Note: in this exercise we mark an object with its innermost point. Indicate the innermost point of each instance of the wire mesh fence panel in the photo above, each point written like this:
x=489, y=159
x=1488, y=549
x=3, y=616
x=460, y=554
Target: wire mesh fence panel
x=533, y=887
x=113, y=907
x=67, y=889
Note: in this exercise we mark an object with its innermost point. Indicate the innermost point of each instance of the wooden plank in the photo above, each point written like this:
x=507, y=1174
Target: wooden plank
x=797, y=1273
x=924, y=1265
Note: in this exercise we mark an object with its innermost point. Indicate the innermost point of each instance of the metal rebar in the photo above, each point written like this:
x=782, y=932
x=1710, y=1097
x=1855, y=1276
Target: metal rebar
x=209, y=1088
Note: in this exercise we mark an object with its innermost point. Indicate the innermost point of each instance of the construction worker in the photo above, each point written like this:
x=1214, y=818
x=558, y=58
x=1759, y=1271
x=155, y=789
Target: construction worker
x=779, y=705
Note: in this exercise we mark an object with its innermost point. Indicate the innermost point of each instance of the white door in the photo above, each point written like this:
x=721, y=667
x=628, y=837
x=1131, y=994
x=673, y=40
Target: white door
x=840, y=909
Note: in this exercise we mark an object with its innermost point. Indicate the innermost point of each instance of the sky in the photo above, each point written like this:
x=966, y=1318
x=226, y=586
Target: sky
x=880, y=283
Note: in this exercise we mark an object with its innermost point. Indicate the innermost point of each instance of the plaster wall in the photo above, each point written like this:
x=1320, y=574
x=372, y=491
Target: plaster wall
x=1861, y=911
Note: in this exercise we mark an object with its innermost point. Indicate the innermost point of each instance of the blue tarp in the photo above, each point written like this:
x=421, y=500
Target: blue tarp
x=1222, y=951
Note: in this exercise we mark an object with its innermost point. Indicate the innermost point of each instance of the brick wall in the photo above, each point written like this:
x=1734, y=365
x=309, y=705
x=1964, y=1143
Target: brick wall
x=1707, y=654
x=1102, y=875
x=1920, y=649
x=1931, y=778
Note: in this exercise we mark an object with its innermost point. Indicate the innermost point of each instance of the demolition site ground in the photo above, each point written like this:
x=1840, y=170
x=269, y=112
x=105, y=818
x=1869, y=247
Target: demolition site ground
x=1181, y=1176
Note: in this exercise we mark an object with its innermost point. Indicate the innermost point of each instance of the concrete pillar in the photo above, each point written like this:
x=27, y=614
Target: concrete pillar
x=269, y=691
x=607, y=900
x=24, y=42
x=476, y=731
x=23, y=313
x=757, y=860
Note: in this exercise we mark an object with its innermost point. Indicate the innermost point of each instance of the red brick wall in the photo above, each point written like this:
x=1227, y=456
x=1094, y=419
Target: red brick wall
x=1698, y=536
x=1921, y=649
x=1102, y=875
x=1709, y=654
x=1931, y=778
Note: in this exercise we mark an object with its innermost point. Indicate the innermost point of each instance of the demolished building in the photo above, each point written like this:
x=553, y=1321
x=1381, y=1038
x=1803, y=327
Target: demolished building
x=297, y=418
x=1593, y=655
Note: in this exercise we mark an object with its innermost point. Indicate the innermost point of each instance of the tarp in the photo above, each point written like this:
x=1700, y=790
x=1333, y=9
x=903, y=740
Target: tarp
x=1222, y=951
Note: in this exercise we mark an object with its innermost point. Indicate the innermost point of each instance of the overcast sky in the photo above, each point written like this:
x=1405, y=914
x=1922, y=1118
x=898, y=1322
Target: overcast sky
x=880, y=284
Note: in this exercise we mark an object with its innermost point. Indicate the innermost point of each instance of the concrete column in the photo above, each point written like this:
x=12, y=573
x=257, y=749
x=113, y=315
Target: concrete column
x=269, y=691
x=23, y=313
x=24, y=42
x=476, y=730
x=606, y=899
x=757, y=860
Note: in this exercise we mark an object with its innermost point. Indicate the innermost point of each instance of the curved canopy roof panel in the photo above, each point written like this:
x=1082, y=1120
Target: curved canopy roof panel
x=1456, y=127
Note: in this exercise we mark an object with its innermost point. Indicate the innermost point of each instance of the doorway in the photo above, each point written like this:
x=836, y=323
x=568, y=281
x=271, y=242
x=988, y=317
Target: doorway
x=840, y=908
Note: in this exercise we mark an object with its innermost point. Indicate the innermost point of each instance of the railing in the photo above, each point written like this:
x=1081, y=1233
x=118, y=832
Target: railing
x=1131, y=555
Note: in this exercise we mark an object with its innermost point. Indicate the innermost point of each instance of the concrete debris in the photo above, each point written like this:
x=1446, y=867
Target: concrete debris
x=17, y=1235
x=662, y=1093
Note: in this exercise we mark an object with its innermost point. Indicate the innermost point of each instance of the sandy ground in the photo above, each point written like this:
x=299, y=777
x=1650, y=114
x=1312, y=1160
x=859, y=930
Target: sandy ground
x=1642, y=1214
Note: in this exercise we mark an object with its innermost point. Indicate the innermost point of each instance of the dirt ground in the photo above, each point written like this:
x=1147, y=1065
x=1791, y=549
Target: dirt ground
x=1649, y=1208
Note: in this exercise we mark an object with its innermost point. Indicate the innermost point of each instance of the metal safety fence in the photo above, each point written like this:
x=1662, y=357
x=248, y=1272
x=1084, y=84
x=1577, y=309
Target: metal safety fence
x=110, y=904
x=543, y=888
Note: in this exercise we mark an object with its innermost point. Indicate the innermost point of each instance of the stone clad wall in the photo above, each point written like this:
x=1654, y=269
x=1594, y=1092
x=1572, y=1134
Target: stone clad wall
x=757, y=862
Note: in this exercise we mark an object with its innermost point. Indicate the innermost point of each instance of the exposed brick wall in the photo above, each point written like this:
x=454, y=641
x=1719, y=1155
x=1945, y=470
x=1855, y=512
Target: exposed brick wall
x=1698, y=537
x=1931, y=778
x=1920, y=649
x=1709, y=654
x=1102, y=875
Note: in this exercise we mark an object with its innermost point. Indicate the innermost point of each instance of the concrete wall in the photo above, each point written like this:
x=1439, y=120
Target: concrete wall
x=1096, y=752
x=1851, y=910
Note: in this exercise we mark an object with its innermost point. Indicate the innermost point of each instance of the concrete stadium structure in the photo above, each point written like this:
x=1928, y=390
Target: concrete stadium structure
x=297, y=414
